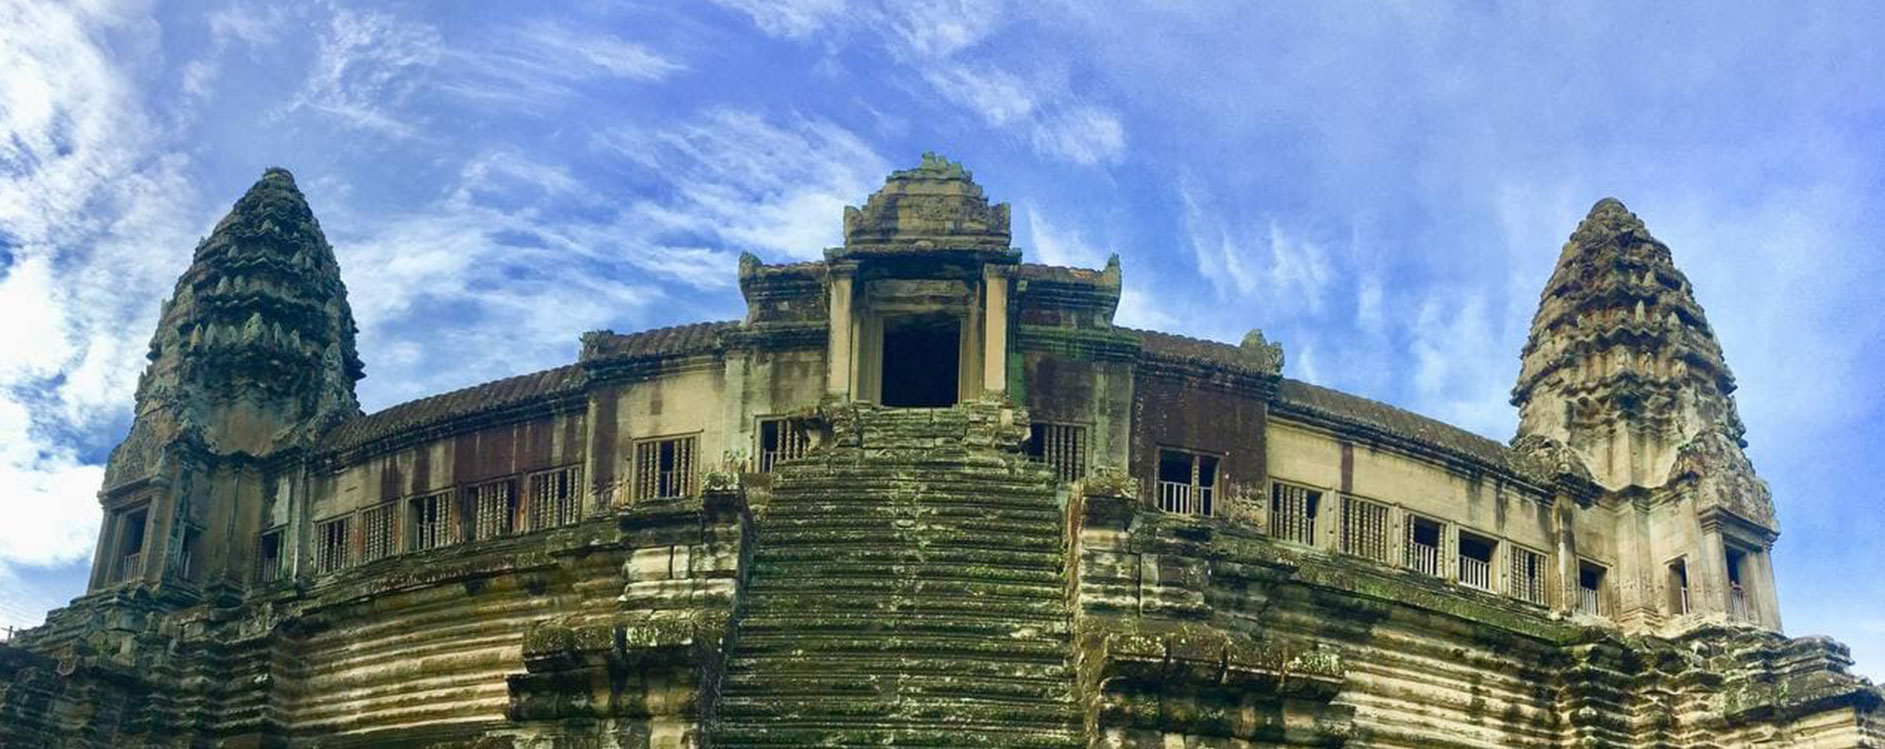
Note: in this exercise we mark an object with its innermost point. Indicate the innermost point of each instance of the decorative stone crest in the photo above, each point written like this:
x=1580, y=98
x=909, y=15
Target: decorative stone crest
x=1261, y=353
x=936, y=205
x=1713, y=468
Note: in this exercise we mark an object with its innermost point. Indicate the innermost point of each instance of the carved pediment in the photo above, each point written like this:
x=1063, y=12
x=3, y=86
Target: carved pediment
x=935, y=205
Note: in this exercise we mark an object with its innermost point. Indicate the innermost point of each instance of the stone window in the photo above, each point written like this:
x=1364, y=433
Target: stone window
x=493, y=509
x=332, y=545
x=1739, y=604
x=1187, y=482
x=379, y=529
x=433, y=519
x=268, y=556
x=1365, y=529
x=1528, y=575
x=556, y=497
x=1423, y=545
x=664, y=468
x=1679, y=587
x=186, y=558
x=1476, y=555
x=131, y=530
x=1590, y=588
x=782, y=439
x=1062, y=447
x=1293, y=512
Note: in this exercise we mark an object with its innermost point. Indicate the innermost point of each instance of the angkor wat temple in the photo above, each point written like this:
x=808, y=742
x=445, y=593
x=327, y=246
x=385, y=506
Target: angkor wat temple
x=923, y=494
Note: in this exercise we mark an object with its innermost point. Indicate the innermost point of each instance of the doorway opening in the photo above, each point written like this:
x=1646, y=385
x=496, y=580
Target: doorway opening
x=922, y=361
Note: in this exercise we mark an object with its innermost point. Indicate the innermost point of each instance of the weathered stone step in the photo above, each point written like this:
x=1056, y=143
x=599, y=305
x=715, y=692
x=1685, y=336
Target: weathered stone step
x=1004, y=482
x=834, y=733
x=822, y=507
x=965, y=570
x=905, y=554
x=1018, y=650
x=818, y=664
x=913, y=527
x=842, y=538
x=971, y=589
x=902, y=682
x=871, y=623
x=814, y=603
x=1017, y=713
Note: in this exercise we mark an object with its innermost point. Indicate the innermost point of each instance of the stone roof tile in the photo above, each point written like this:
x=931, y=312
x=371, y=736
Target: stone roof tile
x=1340, y=406
x=490, y=396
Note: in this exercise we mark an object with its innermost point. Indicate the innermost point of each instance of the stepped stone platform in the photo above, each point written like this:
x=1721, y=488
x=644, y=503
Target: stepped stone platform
x=908, y=588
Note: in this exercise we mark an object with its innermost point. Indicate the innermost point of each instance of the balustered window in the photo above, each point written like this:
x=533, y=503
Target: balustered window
x=1476, y=555
x=333, y=545
x=379, y=531
x=1187, y=482
x=268, y=556
x=130, y=561
x=1293, y=511
x=1365, y=529
x=433, y=520
x=664, y=468
x=1063, y=447
x=782, y=439
x=1527, y=575
x=493, y=507
x=1590, y=588
x=556, y=497
x=1679, y=587
x=1423, y=545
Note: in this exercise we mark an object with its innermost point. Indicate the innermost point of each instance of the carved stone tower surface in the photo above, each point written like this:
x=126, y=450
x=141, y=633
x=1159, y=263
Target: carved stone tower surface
x=1623, y=368
x=924, y=493
x=253, y=356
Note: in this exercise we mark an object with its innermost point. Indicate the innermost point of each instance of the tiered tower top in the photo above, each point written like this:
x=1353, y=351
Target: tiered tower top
x=935, y=206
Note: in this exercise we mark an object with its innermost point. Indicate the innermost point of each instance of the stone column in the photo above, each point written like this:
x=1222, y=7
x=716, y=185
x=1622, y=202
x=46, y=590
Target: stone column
x=1714, y=570
x=1564, y=515
x=995, y=330
x=1766, y=596
x=839, y=338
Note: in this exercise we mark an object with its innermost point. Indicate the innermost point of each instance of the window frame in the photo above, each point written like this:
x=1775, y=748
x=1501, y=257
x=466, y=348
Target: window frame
x=1347, y=533
x=1078, y=449
x=685, y=472
x=550, y=507
x=799, y=444
x=329, y=556
x=1196, y=499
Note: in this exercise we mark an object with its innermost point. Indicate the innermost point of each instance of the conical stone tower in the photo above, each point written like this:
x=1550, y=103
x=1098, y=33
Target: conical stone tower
x=1623, y=369
x=252, y=358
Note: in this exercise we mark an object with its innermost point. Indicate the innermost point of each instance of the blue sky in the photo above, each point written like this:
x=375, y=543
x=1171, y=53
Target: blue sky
x=1382, y=187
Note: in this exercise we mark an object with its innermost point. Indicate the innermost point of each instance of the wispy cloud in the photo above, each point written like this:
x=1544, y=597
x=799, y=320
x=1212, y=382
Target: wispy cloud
x=94, y=218
x=368, y=65
x=777, y=188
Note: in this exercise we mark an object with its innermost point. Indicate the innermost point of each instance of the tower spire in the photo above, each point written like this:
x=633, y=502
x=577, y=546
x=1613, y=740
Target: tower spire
x=255, y=350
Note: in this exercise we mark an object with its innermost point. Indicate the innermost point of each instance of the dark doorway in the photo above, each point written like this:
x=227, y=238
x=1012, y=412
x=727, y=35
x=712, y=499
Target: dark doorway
x=922, y=359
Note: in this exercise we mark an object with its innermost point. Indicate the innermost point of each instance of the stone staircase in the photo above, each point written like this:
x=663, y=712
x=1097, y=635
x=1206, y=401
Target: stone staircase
x=907, y=590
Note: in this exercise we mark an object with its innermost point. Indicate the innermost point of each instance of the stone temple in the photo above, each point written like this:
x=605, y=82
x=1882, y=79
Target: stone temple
x=923, y=494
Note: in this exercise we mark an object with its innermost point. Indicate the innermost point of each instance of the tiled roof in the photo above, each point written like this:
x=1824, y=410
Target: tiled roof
x=678, y=340
x=490, y=396
x=1340, y=406
x=1197, y=349
x=1059, y=274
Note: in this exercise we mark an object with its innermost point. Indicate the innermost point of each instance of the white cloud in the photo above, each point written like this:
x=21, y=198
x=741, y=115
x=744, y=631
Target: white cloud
x=789, y=18
x=97, y=219
x=1081, y=134
x=777, y=189
x=944, y=45
x=1233, y=258
x=368, y=65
